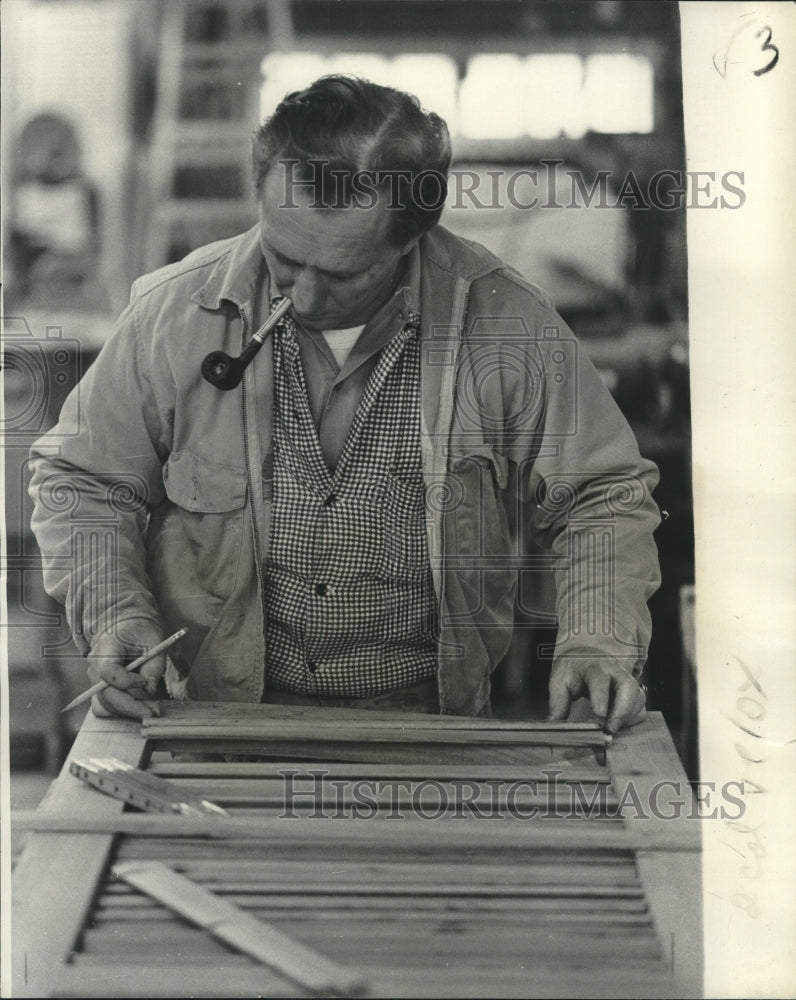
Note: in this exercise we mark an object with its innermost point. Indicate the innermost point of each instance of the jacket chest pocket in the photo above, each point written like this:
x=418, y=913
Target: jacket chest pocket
x=478, y=543
x=476, y=512
x=207, y=505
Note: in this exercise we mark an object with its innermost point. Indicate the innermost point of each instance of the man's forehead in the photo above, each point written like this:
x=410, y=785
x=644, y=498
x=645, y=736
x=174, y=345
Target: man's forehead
x=335, y=239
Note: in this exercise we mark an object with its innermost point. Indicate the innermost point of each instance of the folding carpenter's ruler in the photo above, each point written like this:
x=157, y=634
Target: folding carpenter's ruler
x=140, y=789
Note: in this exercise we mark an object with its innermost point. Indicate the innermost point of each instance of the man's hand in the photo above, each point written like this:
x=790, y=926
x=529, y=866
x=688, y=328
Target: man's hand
x=616, y=697
x=128, y=694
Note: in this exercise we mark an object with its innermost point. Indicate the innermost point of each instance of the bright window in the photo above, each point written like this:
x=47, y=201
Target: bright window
x=491, y=104
x=502, y=95
x=553, y=86
x=619, y=93
x=432, y=77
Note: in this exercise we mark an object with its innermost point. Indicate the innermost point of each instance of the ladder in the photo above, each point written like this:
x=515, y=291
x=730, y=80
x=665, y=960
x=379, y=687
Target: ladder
x=206, y=108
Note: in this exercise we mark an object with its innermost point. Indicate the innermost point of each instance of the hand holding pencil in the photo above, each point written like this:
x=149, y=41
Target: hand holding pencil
x=125, y=666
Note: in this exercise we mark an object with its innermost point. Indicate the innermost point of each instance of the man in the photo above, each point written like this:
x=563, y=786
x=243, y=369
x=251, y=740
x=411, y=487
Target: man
x=346, y=528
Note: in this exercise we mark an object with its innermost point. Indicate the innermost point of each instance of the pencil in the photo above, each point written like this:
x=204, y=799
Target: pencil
x=101, y=685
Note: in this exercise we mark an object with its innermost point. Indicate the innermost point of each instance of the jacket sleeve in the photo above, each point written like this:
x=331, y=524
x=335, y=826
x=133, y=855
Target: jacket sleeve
x=588, y=499
x=95, y=476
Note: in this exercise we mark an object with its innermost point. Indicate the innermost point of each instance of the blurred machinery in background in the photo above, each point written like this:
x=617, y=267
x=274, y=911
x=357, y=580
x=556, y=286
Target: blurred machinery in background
x=593, y=87
x=54, y=216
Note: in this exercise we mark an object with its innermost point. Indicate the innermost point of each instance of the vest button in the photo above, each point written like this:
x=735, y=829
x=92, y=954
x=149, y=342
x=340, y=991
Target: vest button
x=321, y=589
x=331, y=500
x=312, y=666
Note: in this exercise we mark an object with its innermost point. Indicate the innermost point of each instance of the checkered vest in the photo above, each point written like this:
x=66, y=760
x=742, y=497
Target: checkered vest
x=349, y=601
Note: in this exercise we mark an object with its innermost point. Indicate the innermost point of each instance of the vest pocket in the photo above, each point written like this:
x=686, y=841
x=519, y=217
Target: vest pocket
x=403, y=527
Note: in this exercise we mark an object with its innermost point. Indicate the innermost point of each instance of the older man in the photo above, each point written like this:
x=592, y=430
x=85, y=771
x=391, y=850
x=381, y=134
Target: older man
x=347, y=526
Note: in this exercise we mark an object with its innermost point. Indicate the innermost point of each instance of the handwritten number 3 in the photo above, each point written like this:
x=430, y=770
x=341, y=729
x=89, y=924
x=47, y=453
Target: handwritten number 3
x=767, y=46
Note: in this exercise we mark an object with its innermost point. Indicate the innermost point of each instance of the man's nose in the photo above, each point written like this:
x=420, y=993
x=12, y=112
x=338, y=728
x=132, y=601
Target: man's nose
x=308, y=292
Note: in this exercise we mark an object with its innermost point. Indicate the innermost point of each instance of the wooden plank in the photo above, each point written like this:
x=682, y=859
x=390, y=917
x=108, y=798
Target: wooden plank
x=432, y=811
x=231, y=714
x=385, y=753
x=356, y=721
x=368, y=803
x=492, y=922
x=543, y=913
x=599, y=883
x=304, y=775
x=297, y=794
x=202, y=855
x=515, y=981
x=673, y=879
x=272, y=731
x=425, y=943
x=562, y=869
x=275, y=893
x=184, y=851
x=54, y=882
x=158, y=980
x=645, y=755
x=566, y=770
x=673, y=884
x=221, y=918
x=301, y=872
x=446, y=833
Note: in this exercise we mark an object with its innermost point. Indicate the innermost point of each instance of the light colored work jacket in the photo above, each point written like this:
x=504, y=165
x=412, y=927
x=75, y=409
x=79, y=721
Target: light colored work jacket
x=149, y=499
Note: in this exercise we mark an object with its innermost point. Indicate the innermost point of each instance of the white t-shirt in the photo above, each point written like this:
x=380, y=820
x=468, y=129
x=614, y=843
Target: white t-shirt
x=341, y=342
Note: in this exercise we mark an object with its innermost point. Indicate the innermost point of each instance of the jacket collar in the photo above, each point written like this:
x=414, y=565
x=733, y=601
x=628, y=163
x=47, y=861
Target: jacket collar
x=236, y=275
x=457, y=255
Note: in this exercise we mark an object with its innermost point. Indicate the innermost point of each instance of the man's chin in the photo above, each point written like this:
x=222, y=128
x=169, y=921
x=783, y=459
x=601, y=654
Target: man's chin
x=313, y=325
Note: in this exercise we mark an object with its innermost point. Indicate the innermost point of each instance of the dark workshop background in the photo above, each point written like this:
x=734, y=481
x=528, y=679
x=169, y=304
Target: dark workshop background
x=126, y=128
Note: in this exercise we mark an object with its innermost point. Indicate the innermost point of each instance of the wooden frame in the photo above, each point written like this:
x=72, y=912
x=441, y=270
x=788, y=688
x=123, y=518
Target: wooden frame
x=59, y=875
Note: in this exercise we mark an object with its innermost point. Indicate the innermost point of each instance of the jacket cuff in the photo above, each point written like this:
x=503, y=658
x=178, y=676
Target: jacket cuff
x=112, y=622
x=624, y=646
